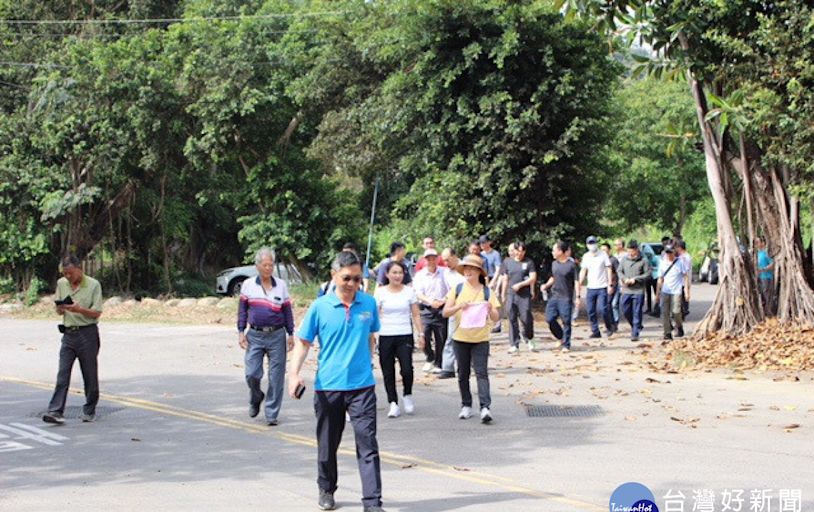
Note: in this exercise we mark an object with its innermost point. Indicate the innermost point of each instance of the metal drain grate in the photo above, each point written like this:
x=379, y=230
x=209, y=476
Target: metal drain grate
x=563, y=411
x=73, y=412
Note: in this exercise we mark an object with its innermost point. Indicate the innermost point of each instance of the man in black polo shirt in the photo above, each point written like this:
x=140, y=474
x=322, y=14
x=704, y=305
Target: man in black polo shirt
x=521, y=274
x=563, y=282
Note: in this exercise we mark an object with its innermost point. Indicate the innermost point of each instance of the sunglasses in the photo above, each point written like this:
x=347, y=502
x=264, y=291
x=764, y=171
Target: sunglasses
x=355, y=279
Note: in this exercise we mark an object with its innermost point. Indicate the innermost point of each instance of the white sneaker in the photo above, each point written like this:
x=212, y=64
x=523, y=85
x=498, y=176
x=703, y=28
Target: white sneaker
x=394, y=411
x=466, y=413
x=485, y=415
x=564, y=349
x=437, y=370
x=428, y=367
x=513, y=350
x=409, y=405
x=532, y=346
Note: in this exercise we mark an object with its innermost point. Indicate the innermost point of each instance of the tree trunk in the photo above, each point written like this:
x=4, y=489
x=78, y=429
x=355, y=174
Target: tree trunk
x=736, y=309
x=795, y=301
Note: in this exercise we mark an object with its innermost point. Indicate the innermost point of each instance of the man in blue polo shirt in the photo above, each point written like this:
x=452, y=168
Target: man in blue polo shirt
x=344, y=322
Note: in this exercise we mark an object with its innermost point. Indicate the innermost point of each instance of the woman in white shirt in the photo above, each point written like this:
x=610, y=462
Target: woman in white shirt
x=398, y=306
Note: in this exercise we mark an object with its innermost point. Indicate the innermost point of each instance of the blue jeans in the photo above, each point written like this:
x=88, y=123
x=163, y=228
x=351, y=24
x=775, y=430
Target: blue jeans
x=614, y=306
x=561, y=308
x=448, y=362
x=632, y=304
x=273, y=346
x=597, y=304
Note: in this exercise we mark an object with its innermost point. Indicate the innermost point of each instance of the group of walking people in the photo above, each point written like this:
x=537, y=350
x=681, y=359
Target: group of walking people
x=448, y=309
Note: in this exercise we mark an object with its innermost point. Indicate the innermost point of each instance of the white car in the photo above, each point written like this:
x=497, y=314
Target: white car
x=228, y=281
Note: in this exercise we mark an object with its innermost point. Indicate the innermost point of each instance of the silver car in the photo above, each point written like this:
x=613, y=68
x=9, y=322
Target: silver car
x=228, y=281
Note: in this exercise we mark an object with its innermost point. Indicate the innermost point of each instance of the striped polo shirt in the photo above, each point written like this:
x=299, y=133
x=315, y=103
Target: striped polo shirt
x=260, y=308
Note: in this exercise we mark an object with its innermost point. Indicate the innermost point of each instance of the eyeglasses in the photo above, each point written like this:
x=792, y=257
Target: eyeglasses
x=355, y=279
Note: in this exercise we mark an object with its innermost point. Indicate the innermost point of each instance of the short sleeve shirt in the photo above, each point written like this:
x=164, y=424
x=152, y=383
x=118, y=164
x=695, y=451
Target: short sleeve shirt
x=344, y=333
x=565, y=275
x=395, y=310
x=763, y=261
x=492, y=260
x=673, y=275
x=597, y=264
x=518, y=271
x=469, y=294
x=88, y=295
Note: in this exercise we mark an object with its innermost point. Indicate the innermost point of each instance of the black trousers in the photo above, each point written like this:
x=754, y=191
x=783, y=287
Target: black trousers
x=469, y=356
x=435, y=334
x=519, y=308
x=390, y=349
x=82, y=344
x=330, y=408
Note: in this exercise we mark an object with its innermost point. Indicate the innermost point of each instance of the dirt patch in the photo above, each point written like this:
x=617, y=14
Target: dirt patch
x=208, y=310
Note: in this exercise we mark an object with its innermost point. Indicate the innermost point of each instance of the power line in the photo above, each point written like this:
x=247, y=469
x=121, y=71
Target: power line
x=144, y=21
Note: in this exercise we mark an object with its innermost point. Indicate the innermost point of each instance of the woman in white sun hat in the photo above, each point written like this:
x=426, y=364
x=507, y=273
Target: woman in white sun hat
x=476, y=310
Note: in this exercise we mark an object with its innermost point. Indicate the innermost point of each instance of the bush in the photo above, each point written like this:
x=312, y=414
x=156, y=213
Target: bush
x=192, y=285
x=7, y=285
x=32, y=294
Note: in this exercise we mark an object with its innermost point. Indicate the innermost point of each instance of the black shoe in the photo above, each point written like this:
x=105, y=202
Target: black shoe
x=634, y=339
x=668, y=337
x=53, y=417
x=595, y=335
x=374, y=509
x=254, y=409
x=273, y=423
x=680, y=332
x=446, y=375
x=326, y=500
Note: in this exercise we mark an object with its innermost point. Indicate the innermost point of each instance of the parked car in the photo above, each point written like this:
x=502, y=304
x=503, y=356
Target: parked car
x=709, y=265
x=228, y=281
x=655, y=247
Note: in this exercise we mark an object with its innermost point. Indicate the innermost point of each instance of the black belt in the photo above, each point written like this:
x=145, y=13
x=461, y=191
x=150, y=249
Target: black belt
x=273, y=328
x=77, y=328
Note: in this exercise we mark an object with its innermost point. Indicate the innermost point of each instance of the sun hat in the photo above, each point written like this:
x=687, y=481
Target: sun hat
x=470, y=260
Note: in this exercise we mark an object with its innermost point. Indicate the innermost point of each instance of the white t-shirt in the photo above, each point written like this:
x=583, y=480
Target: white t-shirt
x=395, y=310
x=674, y=279
x=597, y=264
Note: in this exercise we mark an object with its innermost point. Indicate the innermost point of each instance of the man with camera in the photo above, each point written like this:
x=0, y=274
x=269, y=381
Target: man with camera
x=79, y=301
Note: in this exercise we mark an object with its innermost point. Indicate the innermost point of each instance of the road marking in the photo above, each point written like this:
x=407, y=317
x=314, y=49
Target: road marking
x=392, y=459
x=39, y=433
x=27, y=432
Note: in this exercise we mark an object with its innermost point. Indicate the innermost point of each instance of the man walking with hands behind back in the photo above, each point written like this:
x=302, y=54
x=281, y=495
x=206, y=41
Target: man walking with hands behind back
x=345, y=323
x=79, y=301
x=634, y=271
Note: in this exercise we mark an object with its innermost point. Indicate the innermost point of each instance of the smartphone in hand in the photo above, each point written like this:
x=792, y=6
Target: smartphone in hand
x=299, y=391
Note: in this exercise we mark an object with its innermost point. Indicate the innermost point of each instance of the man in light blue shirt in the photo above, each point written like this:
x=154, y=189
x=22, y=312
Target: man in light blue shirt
x=765, y=267
x=670, y=289
x=345, y=322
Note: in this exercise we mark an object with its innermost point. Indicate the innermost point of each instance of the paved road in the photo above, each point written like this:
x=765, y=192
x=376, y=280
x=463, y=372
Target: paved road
x=173, y=433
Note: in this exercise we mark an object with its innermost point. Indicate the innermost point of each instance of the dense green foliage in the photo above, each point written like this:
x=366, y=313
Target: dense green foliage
x=661, y=176
x=165, y=151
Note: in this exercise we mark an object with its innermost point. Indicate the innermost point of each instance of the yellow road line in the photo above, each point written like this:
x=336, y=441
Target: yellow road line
x=393, y=459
